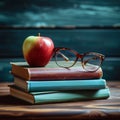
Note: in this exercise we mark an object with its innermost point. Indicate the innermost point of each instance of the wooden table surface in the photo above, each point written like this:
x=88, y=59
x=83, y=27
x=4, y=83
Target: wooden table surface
x=13, y=108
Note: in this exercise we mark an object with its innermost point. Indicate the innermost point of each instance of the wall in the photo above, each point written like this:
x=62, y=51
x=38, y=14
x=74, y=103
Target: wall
x=79, y=24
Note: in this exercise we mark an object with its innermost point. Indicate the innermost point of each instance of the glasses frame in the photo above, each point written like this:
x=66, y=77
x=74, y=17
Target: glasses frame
x=79, y=56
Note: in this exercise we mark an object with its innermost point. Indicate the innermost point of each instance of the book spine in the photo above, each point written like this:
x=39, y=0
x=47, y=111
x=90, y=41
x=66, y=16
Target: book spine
x=42, y=73
x=53, y=72
x=68, y=96
x=66, y=85
x=63, y=73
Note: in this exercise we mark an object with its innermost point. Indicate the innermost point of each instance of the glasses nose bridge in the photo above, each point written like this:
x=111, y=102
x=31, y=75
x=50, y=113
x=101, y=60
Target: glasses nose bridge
x=102, y=57
x=79, y=56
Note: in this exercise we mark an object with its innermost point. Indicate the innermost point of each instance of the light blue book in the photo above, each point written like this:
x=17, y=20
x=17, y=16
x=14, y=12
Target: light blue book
x=37, y=86
x=59, y=96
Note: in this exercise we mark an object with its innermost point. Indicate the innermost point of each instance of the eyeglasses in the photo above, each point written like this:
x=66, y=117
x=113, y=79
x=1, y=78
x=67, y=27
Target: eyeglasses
x=90, y=61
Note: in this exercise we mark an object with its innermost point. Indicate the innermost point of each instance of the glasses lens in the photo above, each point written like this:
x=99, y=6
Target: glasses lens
x=65, y=58
x=91, y=62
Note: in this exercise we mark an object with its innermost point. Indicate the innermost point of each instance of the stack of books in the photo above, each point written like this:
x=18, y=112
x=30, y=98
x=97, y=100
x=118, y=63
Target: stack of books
x=54, y=84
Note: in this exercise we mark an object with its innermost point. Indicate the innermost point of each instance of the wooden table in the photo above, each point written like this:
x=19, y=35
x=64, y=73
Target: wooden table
x=13, y=108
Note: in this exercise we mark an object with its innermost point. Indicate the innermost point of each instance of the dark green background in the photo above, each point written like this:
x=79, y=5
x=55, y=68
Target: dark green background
x=96, y=28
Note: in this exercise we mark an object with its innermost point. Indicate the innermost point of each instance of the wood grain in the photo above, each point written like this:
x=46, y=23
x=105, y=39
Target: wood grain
x=17, y=109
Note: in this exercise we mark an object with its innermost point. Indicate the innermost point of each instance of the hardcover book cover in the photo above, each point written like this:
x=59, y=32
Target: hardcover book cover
x=52, y=72
x=36, y=86
x=59, y=96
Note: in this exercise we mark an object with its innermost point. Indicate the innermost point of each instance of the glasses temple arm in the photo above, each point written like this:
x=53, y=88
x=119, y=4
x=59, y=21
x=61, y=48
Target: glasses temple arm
x=65, y=58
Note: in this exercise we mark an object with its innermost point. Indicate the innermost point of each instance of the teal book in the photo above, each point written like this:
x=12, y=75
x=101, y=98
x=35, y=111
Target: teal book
x=35, y=86
x=59, y=96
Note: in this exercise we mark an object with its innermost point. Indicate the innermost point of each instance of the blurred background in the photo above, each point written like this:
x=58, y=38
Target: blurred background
x=83, y=25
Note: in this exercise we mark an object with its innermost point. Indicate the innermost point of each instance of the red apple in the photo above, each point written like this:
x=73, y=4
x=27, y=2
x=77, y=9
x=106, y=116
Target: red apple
x=37, y=50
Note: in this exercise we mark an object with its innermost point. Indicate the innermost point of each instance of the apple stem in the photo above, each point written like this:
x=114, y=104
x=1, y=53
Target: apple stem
x=39, y=34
